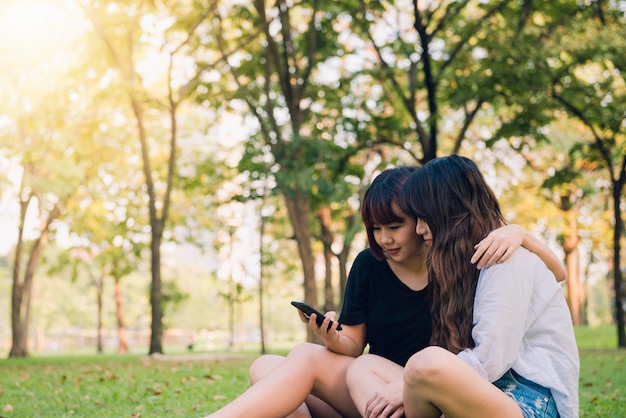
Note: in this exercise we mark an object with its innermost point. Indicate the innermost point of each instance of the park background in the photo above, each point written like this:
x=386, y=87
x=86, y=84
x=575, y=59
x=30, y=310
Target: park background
x=173, y=173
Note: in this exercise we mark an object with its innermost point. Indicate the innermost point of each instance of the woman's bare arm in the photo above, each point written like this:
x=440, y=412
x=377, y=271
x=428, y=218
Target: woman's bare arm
x=498, y=246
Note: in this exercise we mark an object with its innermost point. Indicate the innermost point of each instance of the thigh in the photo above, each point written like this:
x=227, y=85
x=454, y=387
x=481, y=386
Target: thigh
x=328, y=370
x=368, y=374
x=436, y=377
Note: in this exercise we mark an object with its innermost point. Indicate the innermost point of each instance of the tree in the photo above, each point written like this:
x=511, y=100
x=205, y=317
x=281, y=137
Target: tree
x=567, y=189
x=590, y=85
x=566, y=75
x=43, y=168
x=171, y=39
x=272, y=72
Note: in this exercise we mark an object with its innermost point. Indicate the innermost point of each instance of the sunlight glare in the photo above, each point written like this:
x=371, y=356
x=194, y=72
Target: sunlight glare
x=38, y=43
x=38, y=32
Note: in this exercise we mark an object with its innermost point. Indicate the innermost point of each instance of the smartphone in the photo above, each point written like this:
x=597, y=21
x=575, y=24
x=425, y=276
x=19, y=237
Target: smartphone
x=308, y=310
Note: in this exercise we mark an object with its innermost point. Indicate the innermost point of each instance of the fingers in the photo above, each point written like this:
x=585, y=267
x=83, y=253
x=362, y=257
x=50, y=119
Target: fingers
x=331, y=314
x=380, y=409
x=313, y=324
x=490, y=255
x=498, y=245
x=380, y=406
x=303, y=317
x=501, y=258
x=325, y=329
x=481, y=248
x=398, y=413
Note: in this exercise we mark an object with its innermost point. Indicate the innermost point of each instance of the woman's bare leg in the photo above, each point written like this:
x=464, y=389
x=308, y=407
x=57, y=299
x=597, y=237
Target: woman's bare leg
x=367, y=375
x=263, y=366
x=308, y=369
x=437, y=381
x=311, y=408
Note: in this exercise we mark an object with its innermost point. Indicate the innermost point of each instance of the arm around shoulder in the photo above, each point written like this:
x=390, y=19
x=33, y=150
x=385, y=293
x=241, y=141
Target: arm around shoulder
x=499, y=245
x=534, y=244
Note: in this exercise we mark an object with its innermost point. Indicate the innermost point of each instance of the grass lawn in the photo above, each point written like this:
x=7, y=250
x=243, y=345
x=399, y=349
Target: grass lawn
x=195, y=385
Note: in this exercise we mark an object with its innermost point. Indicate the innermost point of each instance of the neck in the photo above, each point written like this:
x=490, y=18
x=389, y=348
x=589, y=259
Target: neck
x=413, y=273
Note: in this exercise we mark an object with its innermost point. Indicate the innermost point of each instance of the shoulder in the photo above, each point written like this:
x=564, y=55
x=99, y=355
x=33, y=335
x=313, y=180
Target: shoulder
x=521, y=259
x=366, y=267
x=525, y=260
x=365, y=257
x=517, y=269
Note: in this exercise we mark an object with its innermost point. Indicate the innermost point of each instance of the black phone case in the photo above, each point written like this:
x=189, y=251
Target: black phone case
x=308, y=310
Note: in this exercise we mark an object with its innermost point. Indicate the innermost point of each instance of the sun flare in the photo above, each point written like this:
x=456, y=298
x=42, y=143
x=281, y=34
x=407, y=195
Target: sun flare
x=37, y=32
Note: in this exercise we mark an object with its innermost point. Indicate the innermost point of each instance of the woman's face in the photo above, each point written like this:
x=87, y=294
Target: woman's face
x=422, y=229
x=399, y=240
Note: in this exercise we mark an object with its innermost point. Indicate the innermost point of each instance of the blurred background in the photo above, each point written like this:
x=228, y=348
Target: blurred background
x=173, y=173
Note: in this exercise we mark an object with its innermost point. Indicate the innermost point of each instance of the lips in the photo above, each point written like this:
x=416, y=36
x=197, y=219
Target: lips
x=392, y=251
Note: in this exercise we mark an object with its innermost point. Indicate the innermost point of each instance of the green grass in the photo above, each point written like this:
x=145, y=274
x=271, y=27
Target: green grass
x=602, y=373
x=193, y=386
x=127, y=386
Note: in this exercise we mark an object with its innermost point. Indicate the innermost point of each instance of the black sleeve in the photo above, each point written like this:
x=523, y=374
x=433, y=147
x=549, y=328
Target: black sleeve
x=355, y=304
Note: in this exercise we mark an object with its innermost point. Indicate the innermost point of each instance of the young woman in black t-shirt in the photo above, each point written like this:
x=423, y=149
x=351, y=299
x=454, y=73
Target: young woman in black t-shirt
x=384, y=308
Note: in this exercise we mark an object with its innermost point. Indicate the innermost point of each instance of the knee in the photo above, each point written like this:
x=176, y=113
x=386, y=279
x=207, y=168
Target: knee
x=360, y=367
x=301, y=355
x=308, y=352
x=262, y=366
x=424, y=367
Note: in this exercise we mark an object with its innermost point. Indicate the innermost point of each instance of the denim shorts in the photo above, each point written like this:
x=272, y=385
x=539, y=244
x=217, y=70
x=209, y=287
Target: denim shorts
x=534, y=400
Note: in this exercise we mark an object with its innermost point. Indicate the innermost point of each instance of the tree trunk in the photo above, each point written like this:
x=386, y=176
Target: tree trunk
x=351, y=230
x=99, y=287
x=21, y=291
x=327, y=238
x=125, y=65
x=618, y=231
x=18, y=330
x=156, y=226
x=156, y=327
x=574, y=288
x=261, y=282
x=299, y=209
x=21, y=300
x=343, y=273
x=122, y=343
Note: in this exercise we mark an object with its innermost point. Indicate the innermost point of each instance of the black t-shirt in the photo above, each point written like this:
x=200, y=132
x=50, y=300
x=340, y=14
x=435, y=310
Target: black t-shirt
x=397, y=319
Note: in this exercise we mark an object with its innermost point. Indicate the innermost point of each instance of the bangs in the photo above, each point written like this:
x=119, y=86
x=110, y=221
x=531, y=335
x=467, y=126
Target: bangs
x=381, y=213
x=419, y=210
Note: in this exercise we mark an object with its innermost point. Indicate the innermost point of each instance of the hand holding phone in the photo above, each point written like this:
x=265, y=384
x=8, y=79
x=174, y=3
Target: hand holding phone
x=308, y=310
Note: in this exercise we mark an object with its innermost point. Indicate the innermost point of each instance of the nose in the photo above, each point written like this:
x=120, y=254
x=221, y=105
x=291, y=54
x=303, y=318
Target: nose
x=420, y=227
x=386, y=236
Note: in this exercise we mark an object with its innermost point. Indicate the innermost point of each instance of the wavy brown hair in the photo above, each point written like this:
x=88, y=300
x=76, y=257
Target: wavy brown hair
x=451, y=195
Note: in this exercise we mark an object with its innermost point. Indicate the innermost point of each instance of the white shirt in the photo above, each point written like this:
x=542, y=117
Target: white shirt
x=521, y=321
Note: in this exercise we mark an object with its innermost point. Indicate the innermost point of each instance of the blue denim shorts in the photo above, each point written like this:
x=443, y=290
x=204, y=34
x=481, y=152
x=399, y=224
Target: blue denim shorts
x=534, y=400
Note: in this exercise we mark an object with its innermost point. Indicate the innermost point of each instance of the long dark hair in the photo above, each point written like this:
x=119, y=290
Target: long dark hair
x=378, y=202
x=451, y=195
